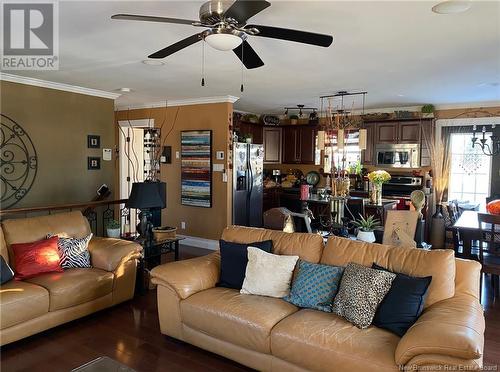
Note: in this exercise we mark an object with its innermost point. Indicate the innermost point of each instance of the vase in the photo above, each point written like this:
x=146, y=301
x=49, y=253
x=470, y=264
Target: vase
x=437, y=237
x=376, y=194
x=366, y=236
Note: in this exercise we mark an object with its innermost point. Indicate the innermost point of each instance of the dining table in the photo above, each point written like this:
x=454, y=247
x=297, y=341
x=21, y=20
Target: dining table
x=469, y=230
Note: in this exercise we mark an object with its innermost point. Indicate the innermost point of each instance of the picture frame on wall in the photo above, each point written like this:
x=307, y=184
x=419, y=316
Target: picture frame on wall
x=93, y=163
x=196, y=168
x=93, y=141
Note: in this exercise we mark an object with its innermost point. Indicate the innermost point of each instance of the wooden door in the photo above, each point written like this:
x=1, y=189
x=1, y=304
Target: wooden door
x=409, y=132
x=290, y=145
x=387, y=133
x=272, y=145
x=307, y=144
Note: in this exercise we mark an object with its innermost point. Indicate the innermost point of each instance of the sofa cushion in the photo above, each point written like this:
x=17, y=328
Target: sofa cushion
x=319, y=341
x=36, y=258
x=361, y=291
x=244, y=320
x=403, y=304
x=21, y=301
x=6, y=273
x=75, y=286
x=438, y=263
x=234, y=260
x=307, y=246
x=315, y=286
x=74, y=252
x=268, y=274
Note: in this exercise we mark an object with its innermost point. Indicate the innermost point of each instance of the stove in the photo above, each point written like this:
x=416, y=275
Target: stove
x=401, y=186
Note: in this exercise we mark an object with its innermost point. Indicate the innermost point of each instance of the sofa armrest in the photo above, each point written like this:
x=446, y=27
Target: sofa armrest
x=452, y=327
x=108, y=254
x=189, y=276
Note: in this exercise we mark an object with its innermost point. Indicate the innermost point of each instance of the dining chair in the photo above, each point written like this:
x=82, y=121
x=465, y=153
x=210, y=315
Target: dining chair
x=489, y=247
x=451, y=213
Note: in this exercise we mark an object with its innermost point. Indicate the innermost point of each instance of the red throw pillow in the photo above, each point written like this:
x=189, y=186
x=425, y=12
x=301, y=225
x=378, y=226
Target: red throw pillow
x=32, y=259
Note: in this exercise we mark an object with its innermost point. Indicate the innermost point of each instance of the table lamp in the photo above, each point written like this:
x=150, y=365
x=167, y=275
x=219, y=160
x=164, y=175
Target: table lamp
x=146, y=196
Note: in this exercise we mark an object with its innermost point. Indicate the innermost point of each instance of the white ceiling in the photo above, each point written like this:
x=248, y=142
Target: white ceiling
x=400, y=52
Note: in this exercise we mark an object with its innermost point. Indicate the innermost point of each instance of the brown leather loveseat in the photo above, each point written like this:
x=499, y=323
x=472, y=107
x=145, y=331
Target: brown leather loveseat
x=270, y=334
x=34, y=305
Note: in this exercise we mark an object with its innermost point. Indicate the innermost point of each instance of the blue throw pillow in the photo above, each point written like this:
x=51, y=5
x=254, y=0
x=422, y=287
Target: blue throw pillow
x=234, y=260
x=315, y=286
x=403, y=304
x=6, y=272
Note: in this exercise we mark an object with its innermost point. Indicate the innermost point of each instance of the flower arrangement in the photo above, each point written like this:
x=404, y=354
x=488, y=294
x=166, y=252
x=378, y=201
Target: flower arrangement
x=379, y=177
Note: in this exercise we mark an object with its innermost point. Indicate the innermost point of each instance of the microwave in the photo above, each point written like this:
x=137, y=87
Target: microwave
x=398, y=155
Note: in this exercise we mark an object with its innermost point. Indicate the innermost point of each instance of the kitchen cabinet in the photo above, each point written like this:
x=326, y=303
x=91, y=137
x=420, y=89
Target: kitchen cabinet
x=299, y=144
x=368, y=154
x=398, y=132
x=272, y=145
x=387, y=133
x=252, y=129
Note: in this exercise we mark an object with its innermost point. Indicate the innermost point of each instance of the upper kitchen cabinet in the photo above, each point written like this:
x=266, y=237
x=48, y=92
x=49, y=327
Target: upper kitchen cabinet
x=397, y=132
x=386, y=132
x=299, y=144
x=272, y=145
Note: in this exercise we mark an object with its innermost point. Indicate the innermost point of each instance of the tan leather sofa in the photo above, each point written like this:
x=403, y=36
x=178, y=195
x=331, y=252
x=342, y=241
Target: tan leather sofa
x=34, y=305
x=270, y=334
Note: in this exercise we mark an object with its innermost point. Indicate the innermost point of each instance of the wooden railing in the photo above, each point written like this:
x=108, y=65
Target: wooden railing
x=98, y=213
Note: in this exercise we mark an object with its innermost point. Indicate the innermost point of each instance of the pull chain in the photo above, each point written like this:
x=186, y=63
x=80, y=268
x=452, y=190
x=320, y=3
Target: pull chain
x=203, y=63
x=241, y=87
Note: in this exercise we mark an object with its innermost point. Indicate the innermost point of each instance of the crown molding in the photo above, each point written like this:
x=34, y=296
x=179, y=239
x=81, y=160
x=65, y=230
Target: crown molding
x=180, y=102
x=58, y=86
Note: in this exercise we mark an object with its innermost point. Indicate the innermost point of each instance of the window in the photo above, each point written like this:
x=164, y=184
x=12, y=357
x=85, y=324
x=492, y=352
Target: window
x=470, y=170
x=351, y=151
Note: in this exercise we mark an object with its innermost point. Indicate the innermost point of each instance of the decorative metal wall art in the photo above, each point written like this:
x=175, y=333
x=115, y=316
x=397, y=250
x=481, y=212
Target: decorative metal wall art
x=18, y=162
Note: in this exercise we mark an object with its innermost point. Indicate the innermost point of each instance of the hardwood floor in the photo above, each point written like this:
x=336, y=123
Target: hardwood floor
x=130, y=334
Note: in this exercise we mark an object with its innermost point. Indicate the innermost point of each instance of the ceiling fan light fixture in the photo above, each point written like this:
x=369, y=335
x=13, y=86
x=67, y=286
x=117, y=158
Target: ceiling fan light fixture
x=223, y=41
x=452, y=6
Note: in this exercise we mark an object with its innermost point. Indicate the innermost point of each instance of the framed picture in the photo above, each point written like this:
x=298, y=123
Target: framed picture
x=93, y=141
x=196, y=168
x=400, y=227
x=93, y=163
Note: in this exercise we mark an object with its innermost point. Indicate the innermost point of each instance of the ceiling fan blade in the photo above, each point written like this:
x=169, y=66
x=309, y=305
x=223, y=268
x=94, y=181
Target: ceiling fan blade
x=136, y=17
x=171, y=49
x=241, y=10
x=293, y=35
x=248, y=56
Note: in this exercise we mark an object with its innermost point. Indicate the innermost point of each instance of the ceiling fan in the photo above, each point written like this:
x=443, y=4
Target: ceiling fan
x=227, y=29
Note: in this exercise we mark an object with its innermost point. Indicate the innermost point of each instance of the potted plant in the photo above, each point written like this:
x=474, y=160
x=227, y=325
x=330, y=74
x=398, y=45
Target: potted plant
x=294, y=119
x=428, y=111
x=366, y=227
x=113, y=229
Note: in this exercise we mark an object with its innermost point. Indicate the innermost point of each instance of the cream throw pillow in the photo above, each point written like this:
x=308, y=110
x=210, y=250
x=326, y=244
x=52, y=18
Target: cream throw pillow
x=268, y=274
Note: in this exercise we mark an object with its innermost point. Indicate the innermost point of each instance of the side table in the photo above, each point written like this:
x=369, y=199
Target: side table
x=151, y=257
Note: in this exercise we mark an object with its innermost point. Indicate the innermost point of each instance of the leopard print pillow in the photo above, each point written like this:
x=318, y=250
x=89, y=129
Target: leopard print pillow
x=361, y=291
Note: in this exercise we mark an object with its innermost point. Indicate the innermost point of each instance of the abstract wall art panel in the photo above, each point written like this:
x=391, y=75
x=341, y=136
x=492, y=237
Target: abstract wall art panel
x=196, y=168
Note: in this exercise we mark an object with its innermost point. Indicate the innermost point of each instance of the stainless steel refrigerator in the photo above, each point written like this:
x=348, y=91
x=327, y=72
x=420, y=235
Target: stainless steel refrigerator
x=248, y=166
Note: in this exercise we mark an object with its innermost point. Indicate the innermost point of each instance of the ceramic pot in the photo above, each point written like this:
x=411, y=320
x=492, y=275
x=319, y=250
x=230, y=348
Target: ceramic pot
x=113, y=233
x=437, y=228
x=366, y=236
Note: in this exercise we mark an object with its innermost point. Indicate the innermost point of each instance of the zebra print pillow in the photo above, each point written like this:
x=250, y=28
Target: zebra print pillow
x=74, y=252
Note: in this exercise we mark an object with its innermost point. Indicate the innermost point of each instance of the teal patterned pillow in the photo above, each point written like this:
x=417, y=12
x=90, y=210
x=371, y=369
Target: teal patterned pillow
x=315, y=286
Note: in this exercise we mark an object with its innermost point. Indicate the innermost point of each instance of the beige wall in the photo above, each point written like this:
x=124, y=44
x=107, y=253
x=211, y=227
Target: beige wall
x=200, y=222
x=58, y=123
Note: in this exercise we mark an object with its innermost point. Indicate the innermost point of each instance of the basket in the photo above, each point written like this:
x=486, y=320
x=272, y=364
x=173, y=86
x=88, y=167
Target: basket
x=164, y=233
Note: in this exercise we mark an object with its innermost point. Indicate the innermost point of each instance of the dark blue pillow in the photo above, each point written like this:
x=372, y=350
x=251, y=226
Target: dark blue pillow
x=234, y=260
x=403, y=304
x=6, y=272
